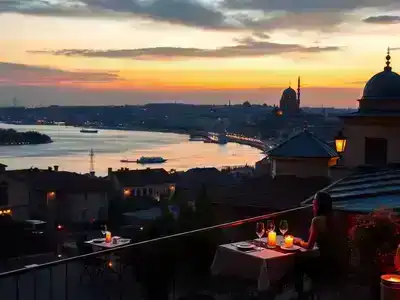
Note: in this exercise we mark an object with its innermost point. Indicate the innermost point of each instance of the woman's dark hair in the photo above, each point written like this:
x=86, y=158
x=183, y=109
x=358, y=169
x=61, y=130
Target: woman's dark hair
x=324, y=201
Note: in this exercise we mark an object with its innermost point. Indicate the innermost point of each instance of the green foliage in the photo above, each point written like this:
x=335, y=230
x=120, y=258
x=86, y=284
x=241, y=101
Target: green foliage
x=12, y=137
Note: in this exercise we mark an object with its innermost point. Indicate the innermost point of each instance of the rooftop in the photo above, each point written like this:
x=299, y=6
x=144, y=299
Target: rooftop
x=303, y=145
x=143, y=177
x=46, y=180
x=264, y=191
x=367, y=190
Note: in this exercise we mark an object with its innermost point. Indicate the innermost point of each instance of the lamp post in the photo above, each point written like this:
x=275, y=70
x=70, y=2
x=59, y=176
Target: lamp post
x=340, y=143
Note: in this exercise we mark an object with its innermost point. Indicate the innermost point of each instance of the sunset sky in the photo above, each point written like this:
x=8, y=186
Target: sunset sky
x=92, y=52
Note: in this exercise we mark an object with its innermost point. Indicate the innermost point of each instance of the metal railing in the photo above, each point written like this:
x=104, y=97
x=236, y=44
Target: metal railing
x=21, y=276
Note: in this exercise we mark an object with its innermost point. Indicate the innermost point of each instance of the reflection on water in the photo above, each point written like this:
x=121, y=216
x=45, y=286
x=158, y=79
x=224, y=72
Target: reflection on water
x=70, y=150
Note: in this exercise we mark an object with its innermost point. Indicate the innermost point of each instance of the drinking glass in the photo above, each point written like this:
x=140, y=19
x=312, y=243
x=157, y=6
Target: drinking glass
x=103, y=230
x=270, y=225
x=260, y=230
x=283, y=227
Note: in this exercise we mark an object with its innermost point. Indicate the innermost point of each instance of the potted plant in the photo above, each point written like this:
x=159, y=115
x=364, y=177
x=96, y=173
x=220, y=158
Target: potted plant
x=374, y=239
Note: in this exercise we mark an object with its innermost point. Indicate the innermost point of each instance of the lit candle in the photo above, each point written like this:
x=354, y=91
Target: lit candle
x=288, y=241
x=272, y=239
x=108, y=237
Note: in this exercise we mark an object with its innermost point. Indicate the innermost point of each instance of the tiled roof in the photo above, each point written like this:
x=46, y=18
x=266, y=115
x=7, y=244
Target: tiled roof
x=46, y=180
x=367, y=190
x=277, y=193
x=143, y=177
x=303, y=145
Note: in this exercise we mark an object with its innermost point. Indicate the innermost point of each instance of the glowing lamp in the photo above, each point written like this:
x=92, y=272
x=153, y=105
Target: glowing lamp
x=59, y=227
x=127, y=192
x=340, y=142
x=51, y=195
x=271, y=239
x=172, y=188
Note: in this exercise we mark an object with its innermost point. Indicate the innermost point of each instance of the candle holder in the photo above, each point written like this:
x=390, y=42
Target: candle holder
x=108, y=237
x=271, y=243
x=288, y=241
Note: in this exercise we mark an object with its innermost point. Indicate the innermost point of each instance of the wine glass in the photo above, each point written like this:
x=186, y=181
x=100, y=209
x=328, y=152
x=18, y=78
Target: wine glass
x=270, y=225
x=283, y=227
x=103, y=230
x=260, y=229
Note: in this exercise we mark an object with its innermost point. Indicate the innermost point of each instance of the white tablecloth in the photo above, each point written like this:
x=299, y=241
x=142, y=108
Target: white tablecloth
x=97, y=246
x=263, y=266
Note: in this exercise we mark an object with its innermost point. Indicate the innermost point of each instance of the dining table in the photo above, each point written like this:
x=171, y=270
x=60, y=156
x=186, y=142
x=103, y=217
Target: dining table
x=261, y=264
x=100, y=243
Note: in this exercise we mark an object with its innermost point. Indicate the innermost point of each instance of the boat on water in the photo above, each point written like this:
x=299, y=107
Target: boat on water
x=197, y=139
x=128, y=161
x=145, y=160
x=89, y=130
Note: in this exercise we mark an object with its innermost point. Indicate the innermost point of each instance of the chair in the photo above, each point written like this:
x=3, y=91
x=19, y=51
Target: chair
x=92, y=266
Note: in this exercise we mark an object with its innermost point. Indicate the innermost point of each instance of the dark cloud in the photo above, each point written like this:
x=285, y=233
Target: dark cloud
x=186, y=12
x=247, y=47
x=383, y=20
x=324, y=21
x=19, y=74
x=305, y=5
x=223, y=14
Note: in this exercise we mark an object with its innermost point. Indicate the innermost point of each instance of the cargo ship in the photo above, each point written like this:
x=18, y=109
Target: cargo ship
x=89, y=131
x=145, y=160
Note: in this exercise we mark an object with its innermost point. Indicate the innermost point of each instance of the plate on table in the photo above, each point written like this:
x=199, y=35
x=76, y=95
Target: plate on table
x=98, y=241
x=293, y=248
x=245, y=246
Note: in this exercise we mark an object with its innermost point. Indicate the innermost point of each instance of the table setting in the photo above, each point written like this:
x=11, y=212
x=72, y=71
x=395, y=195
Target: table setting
x=267, y=258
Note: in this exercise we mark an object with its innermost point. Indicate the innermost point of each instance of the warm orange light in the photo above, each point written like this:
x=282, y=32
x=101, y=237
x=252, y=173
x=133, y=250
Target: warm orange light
x=392, y=278
x=110, y=264
x=172, y=188
x=272, y=239
x=340, y=142
x=108, y=237
x=51, y=195
x=5, y=212
x=288, y=241
x=127, y=192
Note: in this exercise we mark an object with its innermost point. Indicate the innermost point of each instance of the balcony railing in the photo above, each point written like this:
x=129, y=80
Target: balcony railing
x=166, y=266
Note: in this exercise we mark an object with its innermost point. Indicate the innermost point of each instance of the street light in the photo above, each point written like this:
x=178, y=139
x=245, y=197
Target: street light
x=340, y=142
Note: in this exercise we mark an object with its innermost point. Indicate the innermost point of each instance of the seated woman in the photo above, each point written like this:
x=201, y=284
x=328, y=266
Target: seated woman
x=322, y=233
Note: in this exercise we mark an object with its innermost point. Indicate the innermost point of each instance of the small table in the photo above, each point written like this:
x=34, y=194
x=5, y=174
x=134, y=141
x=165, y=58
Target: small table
x=262, y=266
x=103, y=244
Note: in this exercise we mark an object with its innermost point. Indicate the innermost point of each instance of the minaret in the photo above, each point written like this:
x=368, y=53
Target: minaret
x=298, y=92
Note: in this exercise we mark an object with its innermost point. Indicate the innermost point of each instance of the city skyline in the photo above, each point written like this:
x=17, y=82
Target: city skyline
x=134, y=52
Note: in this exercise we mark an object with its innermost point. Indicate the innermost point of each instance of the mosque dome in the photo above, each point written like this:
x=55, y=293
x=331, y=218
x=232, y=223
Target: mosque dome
x=384, y=85
x=289, y=93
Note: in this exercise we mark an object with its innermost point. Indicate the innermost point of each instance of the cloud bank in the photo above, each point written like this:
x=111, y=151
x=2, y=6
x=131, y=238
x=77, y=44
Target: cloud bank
x=383, y=20
x=218, y=14
x=19, y=74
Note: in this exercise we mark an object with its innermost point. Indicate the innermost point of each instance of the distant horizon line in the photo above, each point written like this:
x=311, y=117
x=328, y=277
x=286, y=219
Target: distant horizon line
x=170, y=103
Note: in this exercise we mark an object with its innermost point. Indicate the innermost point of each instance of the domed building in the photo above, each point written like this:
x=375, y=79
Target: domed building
x=290, y=100
x=373, y=131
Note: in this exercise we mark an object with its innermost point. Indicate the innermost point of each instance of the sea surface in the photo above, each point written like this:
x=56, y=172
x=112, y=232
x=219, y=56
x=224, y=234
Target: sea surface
x=70, y=150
